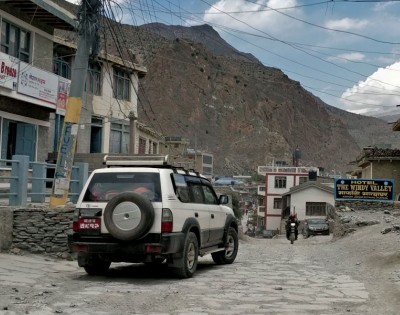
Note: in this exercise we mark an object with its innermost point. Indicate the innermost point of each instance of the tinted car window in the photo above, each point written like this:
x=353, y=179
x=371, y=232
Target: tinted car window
x=104, y=186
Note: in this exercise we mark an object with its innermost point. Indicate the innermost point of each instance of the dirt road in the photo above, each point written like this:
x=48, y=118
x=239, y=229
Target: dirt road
x=358, y=274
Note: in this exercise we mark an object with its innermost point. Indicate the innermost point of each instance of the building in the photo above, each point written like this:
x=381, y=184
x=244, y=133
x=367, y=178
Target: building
x=109, y=104
x=278, y=181
x=28, y=86
x=310, y=199
x=178, y=150
x=378, y=163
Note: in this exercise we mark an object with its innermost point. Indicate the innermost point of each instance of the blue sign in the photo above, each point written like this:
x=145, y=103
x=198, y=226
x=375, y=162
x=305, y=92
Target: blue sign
x=364, y=189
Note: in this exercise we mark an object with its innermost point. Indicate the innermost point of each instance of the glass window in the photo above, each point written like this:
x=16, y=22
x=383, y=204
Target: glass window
x=142, y=146
x=119, y=138
x=15, y=41
x=280, y=182
x=197, y=192
x=315, y=209
x=104, y=186
x=93, y=79
x=303, y=179
x=207, y=159
x=62, y=67
x=277, y=203
x=121, y=84
x=209, y=195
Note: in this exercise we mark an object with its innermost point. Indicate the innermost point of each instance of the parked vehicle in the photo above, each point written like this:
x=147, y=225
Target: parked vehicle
x=315, y=226
x=149, y=211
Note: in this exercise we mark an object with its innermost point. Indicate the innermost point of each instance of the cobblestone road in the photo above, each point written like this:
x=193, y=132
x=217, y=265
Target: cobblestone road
x=268, y=277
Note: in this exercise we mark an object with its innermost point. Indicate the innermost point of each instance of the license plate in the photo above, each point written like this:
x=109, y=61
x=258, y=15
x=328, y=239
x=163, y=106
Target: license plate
x=89, y=224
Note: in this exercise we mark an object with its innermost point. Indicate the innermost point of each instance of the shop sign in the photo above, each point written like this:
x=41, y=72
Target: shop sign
x=364, y=189
x=37, y=83
x=62, y=96
x=8, y=71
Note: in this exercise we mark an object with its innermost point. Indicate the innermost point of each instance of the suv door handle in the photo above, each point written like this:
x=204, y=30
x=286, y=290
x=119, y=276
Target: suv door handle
x=212, y=215
x=196, y=214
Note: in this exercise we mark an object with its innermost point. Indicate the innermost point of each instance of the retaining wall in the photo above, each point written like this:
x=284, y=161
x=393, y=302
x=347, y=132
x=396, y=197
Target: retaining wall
x=41, y=230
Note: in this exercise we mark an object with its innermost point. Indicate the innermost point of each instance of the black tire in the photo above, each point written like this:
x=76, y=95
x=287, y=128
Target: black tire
x=292, y=238
x=228, y=255
x=128, y=216
x=189, y=258
x=97, y=266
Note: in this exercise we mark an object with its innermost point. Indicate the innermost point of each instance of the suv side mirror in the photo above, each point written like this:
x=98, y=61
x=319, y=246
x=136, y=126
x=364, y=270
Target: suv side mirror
x=223, y=199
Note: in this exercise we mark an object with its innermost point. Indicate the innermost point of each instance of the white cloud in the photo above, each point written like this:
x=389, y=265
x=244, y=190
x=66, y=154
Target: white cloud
x=347, y=24
x=353, y=56
x=379, y=93
x=262, y=19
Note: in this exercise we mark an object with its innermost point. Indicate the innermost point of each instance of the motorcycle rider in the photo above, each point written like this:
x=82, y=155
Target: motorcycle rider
x=292, y=219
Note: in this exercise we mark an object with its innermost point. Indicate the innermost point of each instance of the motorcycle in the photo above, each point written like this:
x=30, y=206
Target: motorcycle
x=292, y=235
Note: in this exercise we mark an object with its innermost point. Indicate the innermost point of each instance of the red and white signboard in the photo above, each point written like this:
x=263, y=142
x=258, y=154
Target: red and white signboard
x=63, y=91
x=37, y=83
x=8, y=71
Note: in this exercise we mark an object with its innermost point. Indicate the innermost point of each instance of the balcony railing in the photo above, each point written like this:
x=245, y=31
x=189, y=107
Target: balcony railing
x=262, y=170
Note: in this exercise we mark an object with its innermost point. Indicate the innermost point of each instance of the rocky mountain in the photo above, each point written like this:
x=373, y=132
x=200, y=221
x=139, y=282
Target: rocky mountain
x=228, y=103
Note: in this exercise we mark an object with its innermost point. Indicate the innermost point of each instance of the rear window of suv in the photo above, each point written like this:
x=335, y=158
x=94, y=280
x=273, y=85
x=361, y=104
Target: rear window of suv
x=104, y=186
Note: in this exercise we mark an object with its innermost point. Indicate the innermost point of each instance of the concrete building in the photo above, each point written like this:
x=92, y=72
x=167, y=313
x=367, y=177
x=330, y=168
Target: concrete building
x=28, y=88
x=310, y=199
x=37, y=56
x=377, y=163
x=278, y=181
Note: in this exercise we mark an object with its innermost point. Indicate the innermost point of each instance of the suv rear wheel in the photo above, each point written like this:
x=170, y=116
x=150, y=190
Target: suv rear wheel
x=128, y=216
x=228, y=255
x=97, y=266
x=189, y=258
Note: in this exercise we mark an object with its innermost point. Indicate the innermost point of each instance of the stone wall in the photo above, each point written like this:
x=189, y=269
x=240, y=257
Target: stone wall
x=350, y=215
x=42, y=230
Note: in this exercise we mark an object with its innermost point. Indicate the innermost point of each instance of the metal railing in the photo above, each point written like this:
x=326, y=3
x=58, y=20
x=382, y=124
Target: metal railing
x=23, y=181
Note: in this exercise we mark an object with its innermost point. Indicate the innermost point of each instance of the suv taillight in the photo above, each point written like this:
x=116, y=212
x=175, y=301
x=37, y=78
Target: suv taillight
x=75, y=219
x=167, y=221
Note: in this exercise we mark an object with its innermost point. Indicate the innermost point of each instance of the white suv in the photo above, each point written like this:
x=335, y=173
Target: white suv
x=148, y=211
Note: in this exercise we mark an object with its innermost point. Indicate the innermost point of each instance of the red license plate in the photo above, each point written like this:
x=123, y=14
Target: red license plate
x=89, y=224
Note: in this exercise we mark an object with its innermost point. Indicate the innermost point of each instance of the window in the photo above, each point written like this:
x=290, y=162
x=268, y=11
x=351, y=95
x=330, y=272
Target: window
x=261, y=188
x=207, y=159
x=93, y=80
x=155, y=148
x=303, y=179
x=209, y=196
x=121, y=85
x=62, y=67
x=280, y=182
x=15, y=41
x=315, y=209
x=142, y=146
x=119, y=138
x=96, y=134
x=277, y=203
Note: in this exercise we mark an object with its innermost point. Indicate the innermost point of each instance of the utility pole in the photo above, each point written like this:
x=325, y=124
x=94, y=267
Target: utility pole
x=88, y=17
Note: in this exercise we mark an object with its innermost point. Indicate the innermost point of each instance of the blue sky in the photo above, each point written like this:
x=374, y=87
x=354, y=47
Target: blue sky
x=345, y=52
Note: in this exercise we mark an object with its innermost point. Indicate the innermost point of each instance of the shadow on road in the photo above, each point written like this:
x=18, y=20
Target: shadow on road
x=126, y=272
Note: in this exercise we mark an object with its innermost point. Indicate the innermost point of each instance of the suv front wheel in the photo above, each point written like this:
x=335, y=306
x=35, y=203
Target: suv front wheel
x=228, y=255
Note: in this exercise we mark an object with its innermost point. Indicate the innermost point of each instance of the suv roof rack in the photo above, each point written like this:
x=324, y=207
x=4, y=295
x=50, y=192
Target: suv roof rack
x=135, y=160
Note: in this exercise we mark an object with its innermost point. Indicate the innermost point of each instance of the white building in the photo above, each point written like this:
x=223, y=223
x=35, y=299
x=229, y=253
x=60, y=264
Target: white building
x=278, y=181
x=310, y=199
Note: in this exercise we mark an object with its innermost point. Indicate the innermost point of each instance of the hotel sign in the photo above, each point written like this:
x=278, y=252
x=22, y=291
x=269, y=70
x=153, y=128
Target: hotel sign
x=364, y=189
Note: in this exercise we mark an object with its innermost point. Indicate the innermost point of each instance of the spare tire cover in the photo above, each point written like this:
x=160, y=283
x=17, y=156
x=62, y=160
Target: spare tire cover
x=128, y=216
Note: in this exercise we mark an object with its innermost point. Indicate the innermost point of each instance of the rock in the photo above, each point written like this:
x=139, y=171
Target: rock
x=386, y=230
x=386, y=212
